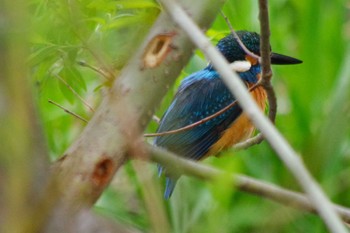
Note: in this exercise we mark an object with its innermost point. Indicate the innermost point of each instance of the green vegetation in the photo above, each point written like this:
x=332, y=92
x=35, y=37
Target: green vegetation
x=313, y=106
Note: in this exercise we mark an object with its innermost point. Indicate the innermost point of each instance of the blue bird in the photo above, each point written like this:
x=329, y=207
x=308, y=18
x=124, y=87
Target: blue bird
x=202, y=94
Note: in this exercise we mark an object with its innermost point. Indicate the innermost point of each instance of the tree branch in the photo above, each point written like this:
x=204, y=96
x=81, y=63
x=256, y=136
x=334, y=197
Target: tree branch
x=178, y=165
x=68, y=111
x=23, y=155
x=202, y=121
x=278, y=143
x=84, y=221
x=265, y=51
x=265, y=41
x=91, y=161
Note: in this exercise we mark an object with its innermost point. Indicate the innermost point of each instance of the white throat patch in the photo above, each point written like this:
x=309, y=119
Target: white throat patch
x=240, y=66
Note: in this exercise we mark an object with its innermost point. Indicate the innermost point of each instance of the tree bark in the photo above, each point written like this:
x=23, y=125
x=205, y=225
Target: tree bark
x=92, y=160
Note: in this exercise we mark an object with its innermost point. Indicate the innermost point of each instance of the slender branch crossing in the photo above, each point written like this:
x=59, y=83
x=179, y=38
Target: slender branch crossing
x=276, y=140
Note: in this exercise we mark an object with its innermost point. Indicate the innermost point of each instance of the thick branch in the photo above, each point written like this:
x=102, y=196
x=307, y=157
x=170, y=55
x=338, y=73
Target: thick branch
x=278, y=143
x=91, y=161
x=84, y=221
x=23, y=154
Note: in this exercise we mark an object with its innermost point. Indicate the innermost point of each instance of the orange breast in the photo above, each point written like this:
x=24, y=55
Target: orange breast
x=241, y=129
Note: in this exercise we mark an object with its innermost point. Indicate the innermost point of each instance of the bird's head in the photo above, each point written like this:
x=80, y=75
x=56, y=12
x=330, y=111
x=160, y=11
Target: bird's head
x=233, y=52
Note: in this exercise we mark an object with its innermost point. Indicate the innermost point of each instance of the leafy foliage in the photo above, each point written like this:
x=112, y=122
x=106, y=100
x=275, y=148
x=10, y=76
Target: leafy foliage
x=101, y=34
x=313, y=105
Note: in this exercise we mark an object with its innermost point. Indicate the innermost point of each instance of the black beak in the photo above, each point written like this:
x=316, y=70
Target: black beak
x=279, y=59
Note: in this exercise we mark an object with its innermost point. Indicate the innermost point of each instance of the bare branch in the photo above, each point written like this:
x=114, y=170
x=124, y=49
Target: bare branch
x=177, y=164
x=104, y=74
x=68, y=111
x=265, y=51
x=233, y=32
x=84, y=221
x=271, y=98
x=206, y=119
x=265, y=41
x=75, y=93
x=24, y=157
x=278, y=143
x=249, y=142
x=103, y=146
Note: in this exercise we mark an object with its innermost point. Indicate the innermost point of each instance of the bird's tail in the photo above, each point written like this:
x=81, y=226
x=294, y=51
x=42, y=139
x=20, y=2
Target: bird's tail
x=169, y=183
x=169, y=187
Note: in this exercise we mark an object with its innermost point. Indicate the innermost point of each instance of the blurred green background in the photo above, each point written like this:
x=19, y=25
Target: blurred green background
x=313, y=106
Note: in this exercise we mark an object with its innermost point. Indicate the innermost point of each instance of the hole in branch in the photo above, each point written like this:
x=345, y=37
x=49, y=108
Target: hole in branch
x=158, y=47
x=103, y=172
x=157, y=50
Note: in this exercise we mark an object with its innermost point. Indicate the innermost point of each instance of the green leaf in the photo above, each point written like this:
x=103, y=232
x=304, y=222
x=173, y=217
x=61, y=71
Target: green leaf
x=126, y=4
x=77, y=78
x=41, y=55
x=65, y=74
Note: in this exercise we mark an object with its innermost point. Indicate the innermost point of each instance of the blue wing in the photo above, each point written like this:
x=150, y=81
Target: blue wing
x=200, y=95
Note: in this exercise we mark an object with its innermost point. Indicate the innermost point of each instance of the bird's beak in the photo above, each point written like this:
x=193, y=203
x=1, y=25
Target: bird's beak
x=279, y=59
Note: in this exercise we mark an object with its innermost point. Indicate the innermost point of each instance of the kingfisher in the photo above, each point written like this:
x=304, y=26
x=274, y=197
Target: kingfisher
x=202, y=94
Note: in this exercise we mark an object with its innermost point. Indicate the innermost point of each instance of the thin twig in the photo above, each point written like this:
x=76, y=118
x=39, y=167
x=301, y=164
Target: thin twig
x=266, y=85
x=75, y=93
x=265, y=41
x=67, y=111
x=266, y=64
x=276, y=140
x=265, y=51
x=208, y=118
x=249, y=142
x=243, y=183
x=97, y=70
x=233, y=32
x=271, y=98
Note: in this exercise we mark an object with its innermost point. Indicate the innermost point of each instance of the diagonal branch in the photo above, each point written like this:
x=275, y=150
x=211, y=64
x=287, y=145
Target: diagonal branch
x=206, y=119
x=86, y=104
x=92, y=160
x=269, y=91
x=68, y=111
x=177, y=164
x=276, y=140
x=241, y=44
